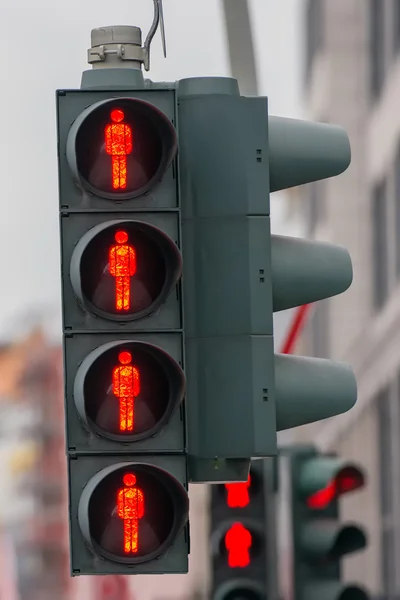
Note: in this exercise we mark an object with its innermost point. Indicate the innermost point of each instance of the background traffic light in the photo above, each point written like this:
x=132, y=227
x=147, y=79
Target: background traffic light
x=320, y=540
x=123, y=331
x=238, y=537
x=232, y=154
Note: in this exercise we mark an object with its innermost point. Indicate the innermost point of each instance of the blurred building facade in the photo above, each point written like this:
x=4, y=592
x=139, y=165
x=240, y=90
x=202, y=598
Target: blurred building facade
x=33, y=507
x=352, y=78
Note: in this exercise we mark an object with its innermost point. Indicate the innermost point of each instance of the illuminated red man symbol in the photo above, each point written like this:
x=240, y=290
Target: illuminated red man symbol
x=122, y=261
x=126, y=386
x=238, y=494
x=130, y=504
x=238, y=543
x=118, y=138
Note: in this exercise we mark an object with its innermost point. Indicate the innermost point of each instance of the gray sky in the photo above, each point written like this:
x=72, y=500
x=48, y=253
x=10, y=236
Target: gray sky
x=43, y=47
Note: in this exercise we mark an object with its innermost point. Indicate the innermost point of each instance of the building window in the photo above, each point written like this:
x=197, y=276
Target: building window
x=379, y=246
x=396, y=26
x=320, y=330
x=314, y=32
x=388, y=561
x=377, y=45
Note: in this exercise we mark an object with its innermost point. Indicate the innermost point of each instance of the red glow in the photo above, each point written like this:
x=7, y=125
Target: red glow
x=118, y=142
x=347, y=480
x=126, y=386
x=117, y=115
x=122, y=261
x=237, y=495
x=121, y=237
x=130, y=505
x=322, y=498
x=238, y=542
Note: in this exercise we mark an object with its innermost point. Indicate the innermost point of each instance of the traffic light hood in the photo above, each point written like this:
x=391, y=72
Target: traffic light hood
x=318, y=473
x=335, y=590
x=305, y=271
x=327, y=541
x=301, y=152
x=311, y=389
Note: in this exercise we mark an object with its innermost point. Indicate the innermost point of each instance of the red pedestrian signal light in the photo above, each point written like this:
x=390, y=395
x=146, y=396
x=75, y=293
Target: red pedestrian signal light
x=118, y=139
x=131, y=510
x=237, y=494
x=128, y=390
x=122, y=261
x=119, y=149
x=126, y=387
x=238, y=541
x=134, y=512
x=124, y=270
x=346, y=480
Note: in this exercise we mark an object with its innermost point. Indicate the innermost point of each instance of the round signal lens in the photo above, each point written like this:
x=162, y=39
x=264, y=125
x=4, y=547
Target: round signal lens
x=131, y=515
x=122, y=146
x=123, y=270
x=130, y=391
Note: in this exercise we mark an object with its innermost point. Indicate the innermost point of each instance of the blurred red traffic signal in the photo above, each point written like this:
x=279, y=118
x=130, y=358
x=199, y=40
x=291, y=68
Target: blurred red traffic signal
x=346, y=480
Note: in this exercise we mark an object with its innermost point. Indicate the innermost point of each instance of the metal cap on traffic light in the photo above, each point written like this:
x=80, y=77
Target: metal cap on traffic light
x=131, y=512
x=120, y=148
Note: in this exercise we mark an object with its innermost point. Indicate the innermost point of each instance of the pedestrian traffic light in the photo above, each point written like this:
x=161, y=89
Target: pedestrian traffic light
x=238, y=538
x=317, y=482
x=232, y=156
x=123, y=329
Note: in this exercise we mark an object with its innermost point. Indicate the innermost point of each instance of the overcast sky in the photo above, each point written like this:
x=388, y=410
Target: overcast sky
x=43, y=47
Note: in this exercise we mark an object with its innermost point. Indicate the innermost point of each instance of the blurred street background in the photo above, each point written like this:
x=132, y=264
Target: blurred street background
x=327, y=60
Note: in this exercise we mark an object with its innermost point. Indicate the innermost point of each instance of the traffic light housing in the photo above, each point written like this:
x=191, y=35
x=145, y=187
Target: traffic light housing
x=238, y=537
x=123, y=330
x=232, y=155
x=320, y=540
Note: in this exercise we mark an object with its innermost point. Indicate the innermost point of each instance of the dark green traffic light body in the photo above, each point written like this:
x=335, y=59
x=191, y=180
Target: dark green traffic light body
x=123, y=319
x=232, y=156
x=320, y=540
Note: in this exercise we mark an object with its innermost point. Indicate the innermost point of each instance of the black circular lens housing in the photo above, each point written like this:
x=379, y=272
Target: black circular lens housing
x=243, y=593
x=119, y=373
x=124, y=270
x=240, y=589
x=118, y=149
x=132, y=512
